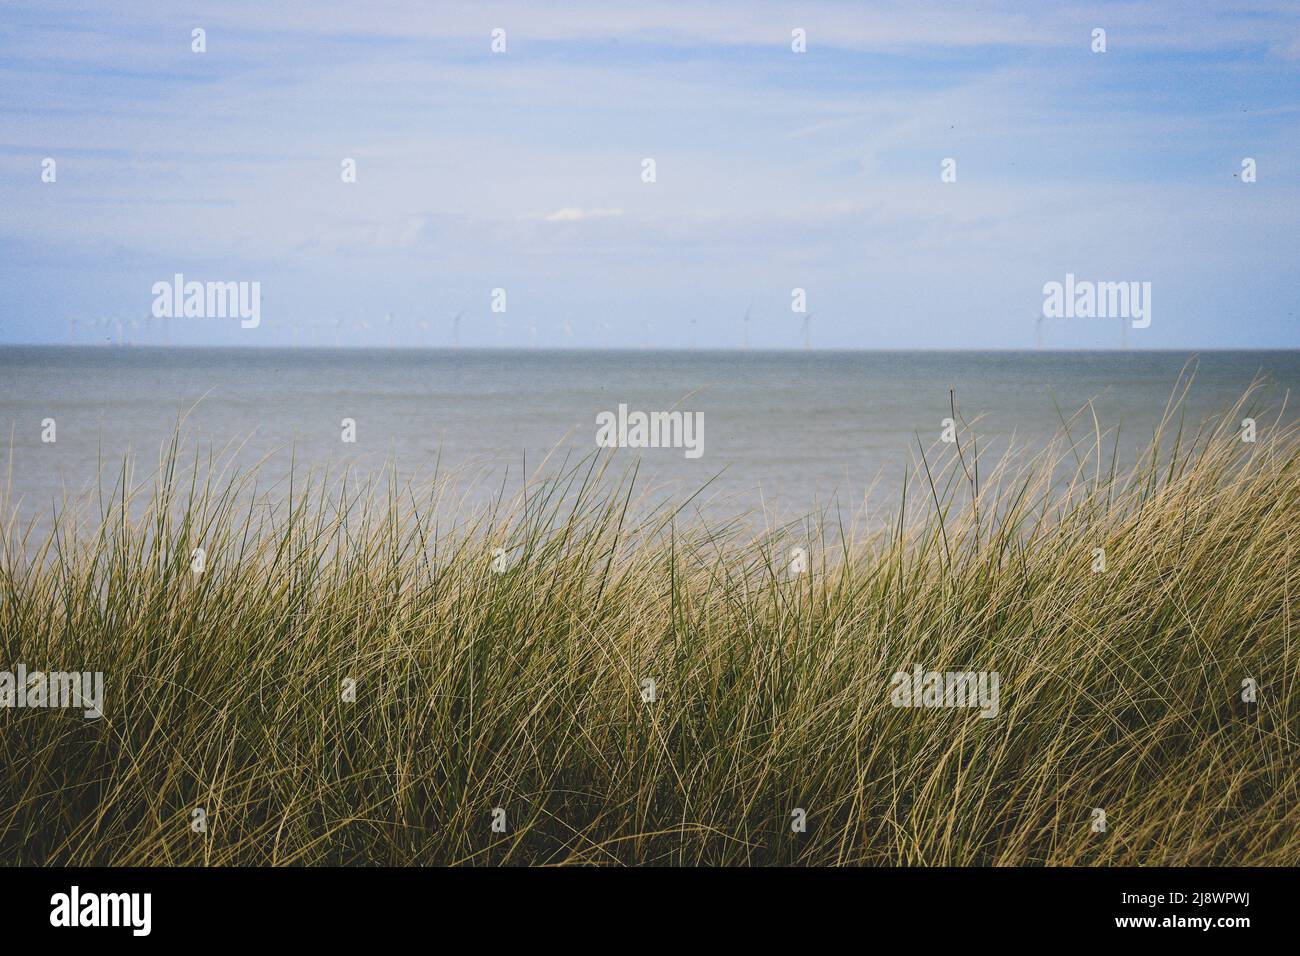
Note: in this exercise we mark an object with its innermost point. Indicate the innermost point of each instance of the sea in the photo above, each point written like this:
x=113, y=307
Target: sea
x=782, y=433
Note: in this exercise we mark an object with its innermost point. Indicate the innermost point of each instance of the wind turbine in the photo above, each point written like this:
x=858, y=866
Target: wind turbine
x=645, y=329
x=532, y=333
x=455, y=329
x=745, y=320
x=388, y=328
x=807, y=330
x=1038, y=332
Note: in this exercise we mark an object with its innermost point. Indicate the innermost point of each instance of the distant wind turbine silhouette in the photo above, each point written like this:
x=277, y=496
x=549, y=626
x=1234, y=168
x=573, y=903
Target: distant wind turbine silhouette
x=807, y=331
x=745, y=320
x=455, y=329
x=1038, y=332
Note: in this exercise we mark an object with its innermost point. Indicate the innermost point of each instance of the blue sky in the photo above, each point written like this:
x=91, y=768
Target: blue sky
x=775, y=170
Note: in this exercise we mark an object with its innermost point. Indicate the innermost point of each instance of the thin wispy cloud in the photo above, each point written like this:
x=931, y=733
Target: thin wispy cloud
x=577, y=214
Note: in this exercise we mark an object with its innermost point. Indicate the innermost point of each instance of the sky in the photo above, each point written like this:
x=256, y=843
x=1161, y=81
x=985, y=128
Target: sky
x=775, y=170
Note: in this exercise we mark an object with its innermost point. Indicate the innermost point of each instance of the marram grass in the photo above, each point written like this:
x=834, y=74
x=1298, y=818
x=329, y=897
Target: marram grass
x=1120, y=690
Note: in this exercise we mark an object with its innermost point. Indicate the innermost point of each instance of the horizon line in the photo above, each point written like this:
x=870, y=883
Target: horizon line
x=155, y=347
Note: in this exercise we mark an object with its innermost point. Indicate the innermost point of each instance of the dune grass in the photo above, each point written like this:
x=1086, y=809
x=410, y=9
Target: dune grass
x=1121, y=690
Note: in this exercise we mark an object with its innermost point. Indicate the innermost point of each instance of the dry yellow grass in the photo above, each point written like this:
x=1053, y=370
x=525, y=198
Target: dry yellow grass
x=1120, y=690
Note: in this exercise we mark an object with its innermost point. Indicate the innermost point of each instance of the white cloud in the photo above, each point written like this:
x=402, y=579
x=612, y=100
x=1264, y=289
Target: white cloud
x=575, y=214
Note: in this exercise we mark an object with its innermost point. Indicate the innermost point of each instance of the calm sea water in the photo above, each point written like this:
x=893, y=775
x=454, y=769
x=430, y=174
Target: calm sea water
x=791, y=430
